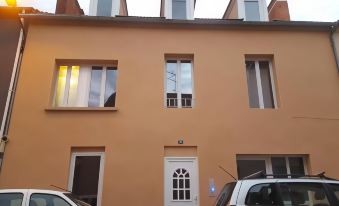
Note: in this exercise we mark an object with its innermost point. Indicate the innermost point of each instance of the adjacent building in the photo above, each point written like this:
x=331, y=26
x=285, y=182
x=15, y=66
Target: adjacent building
x=144, y=111
x=11, y=41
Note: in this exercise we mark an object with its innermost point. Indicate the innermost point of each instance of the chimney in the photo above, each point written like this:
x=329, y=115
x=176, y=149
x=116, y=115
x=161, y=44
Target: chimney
x=70, y=7
x=278, y=10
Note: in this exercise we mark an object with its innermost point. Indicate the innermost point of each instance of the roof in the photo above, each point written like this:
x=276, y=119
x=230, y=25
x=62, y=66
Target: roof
x=160, y=21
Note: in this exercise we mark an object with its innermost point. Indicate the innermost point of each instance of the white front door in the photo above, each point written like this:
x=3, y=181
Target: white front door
x=181, y=181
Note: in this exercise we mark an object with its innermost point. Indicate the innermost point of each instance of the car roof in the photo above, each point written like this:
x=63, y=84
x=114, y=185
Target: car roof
x=32, y=191
x=270, y=180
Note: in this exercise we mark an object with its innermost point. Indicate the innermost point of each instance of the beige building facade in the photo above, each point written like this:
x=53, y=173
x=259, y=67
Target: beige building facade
x=150, y=111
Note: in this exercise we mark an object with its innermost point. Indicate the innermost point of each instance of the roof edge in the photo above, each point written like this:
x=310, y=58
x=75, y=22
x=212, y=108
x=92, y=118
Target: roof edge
x=66, y=19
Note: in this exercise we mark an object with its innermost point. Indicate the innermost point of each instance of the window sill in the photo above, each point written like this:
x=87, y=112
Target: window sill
x=81, y=109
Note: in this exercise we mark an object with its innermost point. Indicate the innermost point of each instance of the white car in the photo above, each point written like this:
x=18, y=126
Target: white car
x=32, y=197
x=302, y=191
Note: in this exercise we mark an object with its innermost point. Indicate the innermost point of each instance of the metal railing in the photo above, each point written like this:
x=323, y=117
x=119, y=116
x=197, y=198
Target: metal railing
x=179, y=103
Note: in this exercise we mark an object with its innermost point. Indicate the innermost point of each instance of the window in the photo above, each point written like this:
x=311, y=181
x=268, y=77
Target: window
x=307, y=194
x=278, y=166
x=47, y=200
x=179, y=9
x=261, y=89
x=335, y=189
x=11, y=199
x=262, y=194
x=226, y=194
x=181, y=185
x=179, y=84
x=252, y=11
x=86, y=176
x=85, y=86
x=104, y=8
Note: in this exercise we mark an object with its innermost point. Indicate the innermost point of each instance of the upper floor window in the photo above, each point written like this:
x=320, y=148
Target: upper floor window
x=179, y=84
x=260, y=82
x=104, y=7
x=279, y=166
x=179, y=9
x=85, y=86
x=252, y=10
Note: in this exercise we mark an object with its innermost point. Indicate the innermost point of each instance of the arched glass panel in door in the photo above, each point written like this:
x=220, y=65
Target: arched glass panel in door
x=181, y=185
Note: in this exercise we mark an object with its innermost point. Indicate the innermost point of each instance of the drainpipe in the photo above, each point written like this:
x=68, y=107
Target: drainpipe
x=11, y=92
x=333, y=43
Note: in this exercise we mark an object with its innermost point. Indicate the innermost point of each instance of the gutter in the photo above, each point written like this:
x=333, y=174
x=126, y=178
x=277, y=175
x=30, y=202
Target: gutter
x=333, y=43
x=4, y=127
x=162, y=22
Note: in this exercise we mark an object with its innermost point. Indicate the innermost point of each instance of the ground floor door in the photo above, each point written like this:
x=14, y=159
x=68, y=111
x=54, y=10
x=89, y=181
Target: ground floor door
x=86, y=172
x=181, y=181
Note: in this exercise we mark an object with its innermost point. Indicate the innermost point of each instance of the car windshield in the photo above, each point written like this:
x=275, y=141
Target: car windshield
x=76, y=200
x=225, y=194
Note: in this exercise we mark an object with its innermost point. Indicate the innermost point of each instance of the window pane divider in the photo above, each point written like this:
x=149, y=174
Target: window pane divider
x=179, y=84
x=273, y=85
x=102, y=87
x=259, y=86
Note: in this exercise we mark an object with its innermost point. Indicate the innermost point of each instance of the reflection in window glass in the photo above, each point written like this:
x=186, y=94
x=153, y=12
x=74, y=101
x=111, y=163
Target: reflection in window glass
x=171, y=76
x=47, y=200
x=335, y=189
x=297, y=165
x=262, y=194
x=179, y=9
x=252, y=10
x=186, y=77
x=306, y=194
x=249, y=167
x=60, y=90
x=179, y=83
x=11, y=199
x=252, y=84
x=279, y=166
x=94, y=94
x=73, y=86
x=104, y=8
x=266, y=84
x=110, y=91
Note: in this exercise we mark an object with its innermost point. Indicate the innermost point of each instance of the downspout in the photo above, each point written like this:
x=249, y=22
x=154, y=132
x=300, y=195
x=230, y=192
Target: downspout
x=11, y=92
x=333, y=43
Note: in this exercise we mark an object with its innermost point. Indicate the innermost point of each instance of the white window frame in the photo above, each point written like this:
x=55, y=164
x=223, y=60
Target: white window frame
x=93, y=7
x=263, y=12
x=101, y=171
x=84, y=91
x=268, y=161
x=189, y=9
x=178, y=82
x=258, y=78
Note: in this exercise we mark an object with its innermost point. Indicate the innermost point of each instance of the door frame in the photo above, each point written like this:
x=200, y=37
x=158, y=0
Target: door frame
x=183, y=159
x=101, y=171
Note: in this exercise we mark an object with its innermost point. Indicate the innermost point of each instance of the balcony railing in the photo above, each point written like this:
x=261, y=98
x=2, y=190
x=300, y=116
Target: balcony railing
x=179, y=103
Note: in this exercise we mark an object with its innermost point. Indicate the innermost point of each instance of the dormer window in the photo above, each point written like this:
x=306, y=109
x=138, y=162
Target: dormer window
x=248, y=10
x=177, y=9
x=108, y=8
x=252, y=11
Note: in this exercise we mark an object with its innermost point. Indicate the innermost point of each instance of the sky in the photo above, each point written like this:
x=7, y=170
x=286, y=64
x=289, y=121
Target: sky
x=300, y=10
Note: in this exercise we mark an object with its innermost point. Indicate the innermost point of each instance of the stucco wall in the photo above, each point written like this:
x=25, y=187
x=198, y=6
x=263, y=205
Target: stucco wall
x=221, y=124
